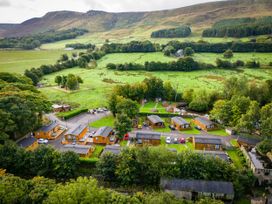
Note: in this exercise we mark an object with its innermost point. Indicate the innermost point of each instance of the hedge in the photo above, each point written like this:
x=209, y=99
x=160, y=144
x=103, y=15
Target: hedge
x=70, y=114
x=158, y=114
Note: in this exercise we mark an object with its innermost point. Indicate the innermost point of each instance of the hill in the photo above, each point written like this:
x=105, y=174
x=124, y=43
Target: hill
x=198, y=16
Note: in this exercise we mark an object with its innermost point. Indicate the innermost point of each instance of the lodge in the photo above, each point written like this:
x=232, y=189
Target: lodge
x=50, y=132
x=148, y=138
x=204, y=143
x=76, y=135
x=81, y=150
x=247, y=142
x=204, y=123
x=29, y=143
x=104, y=136
x=195, y=189
x=180, y=124
x=155, y=121
x=113, y=149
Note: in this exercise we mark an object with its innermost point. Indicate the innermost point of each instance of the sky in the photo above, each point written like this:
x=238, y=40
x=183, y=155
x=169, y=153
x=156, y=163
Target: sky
x=17, y=11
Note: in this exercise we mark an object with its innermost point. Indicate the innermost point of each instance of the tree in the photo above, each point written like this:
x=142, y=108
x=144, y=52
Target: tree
x=128, y=107
x=58, y=80
x=107, y=166
x=64, y=58
x=265, y=146
x=265, y=121
x=82, y=62
x=123, y=125
x=188, y=51
x=228, y=54
x=72, y=82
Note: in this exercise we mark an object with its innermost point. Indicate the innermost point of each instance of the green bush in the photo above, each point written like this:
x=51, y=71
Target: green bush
x=70, y=114
x=158, y=114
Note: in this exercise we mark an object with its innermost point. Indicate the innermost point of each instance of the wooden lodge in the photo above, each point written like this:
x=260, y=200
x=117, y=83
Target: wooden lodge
x=204, y=143
x=82, y=150
x=196, y=189
x=148, y=138
x=29, y=143
x=104, y=136
x=204, y=123
x=50, y=132
x=180, y=124
x=155, y=121
x=76, y=135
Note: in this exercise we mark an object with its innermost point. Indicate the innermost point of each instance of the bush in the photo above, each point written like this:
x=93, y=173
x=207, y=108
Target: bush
x=228, y=54
x=239, y=63
x=70, y=114
x=253, y=64
x=189, y=51
x=265, y=146
x=182, y=31
x=270, y=64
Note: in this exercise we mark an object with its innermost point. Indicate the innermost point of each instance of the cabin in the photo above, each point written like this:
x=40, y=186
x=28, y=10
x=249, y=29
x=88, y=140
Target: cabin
x=50, y=132
x=82, y=150
x=248, y=143
x=204, y=123
x=29, y=143
x=76, y=135
x=214, y=154
x=180, y=124
x=104, y=136
x=113, y=149
x=148, y=138
x=61, y=108
x=204, y=143
x=195, y=189
x=155, y=121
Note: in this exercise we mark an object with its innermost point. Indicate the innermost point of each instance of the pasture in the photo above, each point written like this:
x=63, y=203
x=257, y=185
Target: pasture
x=20, y=60
x=98, y=82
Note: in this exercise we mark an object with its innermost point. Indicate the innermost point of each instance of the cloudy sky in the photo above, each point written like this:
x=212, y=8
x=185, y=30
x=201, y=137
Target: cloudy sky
x=16, y=11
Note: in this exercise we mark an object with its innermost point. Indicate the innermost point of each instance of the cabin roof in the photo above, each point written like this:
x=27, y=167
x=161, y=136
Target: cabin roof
x=204, y=121
x=148, y=135
x=77, y=130
x=49, y=127
x=205, y=140
x=103, y=132
x=256, y=162
x=154, y=119
x=114, y=149
x=79, y=149
x=26, y=142
x=214, y=154
x=180, y=121
x=250, y=141
x=198, y=186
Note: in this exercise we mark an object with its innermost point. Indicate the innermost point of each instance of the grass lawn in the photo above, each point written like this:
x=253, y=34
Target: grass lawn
x=178, y=147
x=233, y=154
x=106, y=121
x=234, y=143
x=193, y=131
x=220, y=132
x=123, y=143
x=19, y=61
x=165, y=129
x=98, y=150
x=147, y=108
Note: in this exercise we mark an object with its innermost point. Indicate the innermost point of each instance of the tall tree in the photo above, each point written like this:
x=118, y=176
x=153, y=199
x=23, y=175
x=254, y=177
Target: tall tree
x=122, y=124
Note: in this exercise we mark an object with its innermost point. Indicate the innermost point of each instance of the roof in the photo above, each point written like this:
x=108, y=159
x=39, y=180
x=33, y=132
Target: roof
x=154, y=119
x=198, y=186
x=114, y=149
x=49, y=127
x=250, y=141
x=103, y=132
x=79, y=149
x=205, y=140
x=77, y=130
x=204, y=121
x=148, y=135
x=256, y=162
x=180, y=121
x=214, y=154
x=26, y=142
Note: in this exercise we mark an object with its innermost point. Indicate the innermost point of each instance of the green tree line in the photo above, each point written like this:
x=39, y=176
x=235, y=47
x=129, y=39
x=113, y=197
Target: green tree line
x=179, y=32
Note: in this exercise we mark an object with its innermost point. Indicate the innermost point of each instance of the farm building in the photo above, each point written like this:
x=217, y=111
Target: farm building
x=180, y=124
x=247, y=142
x=114, y=149
x=148, y=138
x=214, y=154
x=50, y=132
x=76, y=134
x=104, y=135
x=81, y=150
x=61, y=108
x=211, y=144
x=29, y=143
x=195, y=189
x=204, y=123
x=155, y=121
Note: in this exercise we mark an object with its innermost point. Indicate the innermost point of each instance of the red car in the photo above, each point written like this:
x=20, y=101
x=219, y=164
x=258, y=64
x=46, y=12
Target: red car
x=126, y=137
x=182, y=140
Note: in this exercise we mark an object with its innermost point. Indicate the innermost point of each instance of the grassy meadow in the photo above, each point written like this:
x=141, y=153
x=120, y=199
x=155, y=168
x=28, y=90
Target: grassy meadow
x=17, y=61
x=98, y=82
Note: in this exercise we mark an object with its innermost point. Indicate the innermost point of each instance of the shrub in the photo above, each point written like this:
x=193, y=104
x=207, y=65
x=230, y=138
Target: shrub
x=70, y=114
x=228, y=54
x=253, y=64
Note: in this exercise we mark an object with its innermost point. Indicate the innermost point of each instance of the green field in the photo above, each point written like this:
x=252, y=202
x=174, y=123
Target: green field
x=106, y=121
x=98, y=82
x=19, y=61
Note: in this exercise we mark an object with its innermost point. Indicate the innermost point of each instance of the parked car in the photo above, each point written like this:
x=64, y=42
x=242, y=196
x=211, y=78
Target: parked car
x=198, y=128
x=168, y=140
x=175, y=140
x=145, y=124
x=182, y=140
x=172, y=127
x=126, y=137
x=42, y=141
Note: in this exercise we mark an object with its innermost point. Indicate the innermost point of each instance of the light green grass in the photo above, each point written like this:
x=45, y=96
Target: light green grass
x=147, y=108
x=106, y=121
x=220, y=132
x=234, y=142
x=233, y=154
x=98, y=150
x=19, y=61
x=123, y=143
x=178, y=147
x=192, y=131
x=94, y=91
